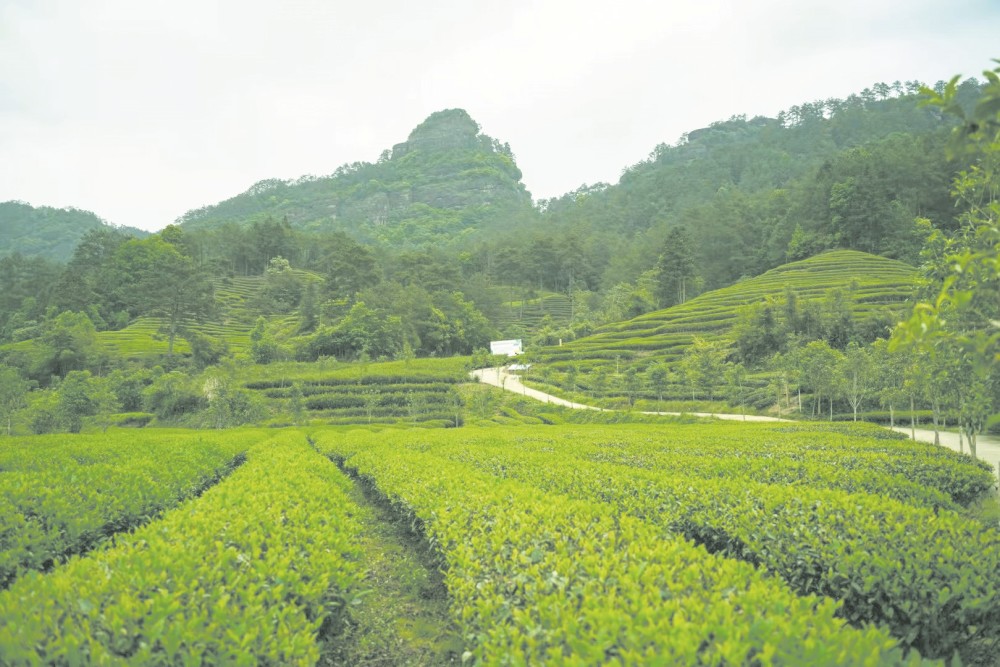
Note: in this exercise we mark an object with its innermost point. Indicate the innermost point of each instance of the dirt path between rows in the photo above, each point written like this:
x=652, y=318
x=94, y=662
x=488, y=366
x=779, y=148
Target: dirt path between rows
x=988, y=448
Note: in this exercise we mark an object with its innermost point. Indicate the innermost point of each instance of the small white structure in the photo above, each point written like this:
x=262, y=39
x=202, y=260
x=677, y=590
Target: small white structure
x=511, y=348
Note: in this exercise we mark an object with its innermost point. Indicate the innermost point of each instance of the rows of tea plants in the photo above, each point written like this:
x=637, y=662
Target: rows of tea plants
x=920, y=571
x=63, y=494
x=889, y=563
x=417, y=391
x=540, y=577
x=877, y=282
x=858, y=458
x=257, y=570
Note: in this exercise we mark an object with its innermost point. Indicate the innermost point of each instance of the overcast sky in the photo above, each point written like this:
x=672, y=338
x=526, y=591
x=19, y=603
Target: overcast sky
x=142, y=110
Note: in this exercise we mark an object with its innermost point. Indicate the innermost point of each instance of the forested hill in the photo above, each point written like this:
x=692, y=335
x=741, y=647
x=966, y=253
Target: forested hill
x=445, y=181
x=754, y=193
x=50, y=233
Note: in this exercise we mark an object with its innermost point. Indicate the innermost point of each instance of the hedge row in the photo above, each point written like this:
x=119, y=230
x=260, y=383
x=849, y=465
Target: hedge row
x=63, y=494
x=322, y=390
x=402, y=401
x=932, y=578
x=375, y=379
x=539, y=578
x=249, y=573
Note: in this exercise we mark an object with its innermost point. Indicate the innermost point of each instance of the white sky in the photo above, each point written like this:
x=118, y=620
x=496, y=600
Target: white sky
x=140, y=110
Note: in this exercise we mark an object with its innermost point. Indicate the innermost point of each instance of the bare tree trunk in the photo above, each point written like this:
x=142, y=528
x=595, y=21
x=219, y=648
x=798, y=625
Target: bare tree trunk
x=892, y=417
x=972, y=444
x=831, y=407
x=961, y=442
x=913, y=420
x=934, y=414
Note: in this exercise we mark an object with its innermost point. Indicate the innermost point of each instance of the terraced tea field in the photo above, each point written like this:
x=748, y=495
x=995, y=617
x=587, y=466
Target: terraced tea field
x=233, y=322
x=664, y=334
x=419, y=391
x=586, y=545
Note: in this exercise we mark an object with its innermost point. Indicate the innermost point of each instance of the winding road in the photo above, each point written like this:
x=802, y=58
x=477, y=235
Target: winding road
x=987, y=449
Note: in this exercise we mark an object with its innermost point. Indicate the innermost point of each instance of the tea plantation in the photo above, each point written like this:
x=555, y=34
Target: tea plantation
x=873, y=283
x=666, y=543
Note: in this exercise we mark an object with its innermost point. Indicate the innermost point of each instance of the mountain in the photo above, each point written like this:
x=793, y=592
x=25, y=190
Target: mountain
x=51, y=233
x=444, y=182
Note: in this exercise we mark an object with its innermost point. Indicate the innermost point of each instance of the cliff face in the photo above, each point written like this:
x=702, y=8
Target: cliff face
x=446, y=180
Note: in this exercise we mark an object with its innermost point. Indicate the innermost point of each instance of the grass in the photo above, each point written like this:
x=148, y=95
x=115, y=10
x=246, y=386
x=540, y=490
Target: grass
x=403, y=618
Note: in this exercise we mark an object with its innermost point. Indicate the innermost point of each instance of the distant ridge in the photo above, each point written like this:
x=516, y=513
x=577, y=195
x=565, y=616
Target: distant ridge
x=43, y=231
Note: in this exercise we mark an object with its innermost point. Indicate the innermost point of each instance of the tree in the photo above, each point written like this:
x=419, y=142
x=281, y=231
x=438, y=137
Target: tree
x=75, y=400
x=659, y=376
x=13, y=394
x=630, y=384
x=295, y=403
x=889, y=368
x=308, y=309
x=165, y=283
x=702, y=365
x=349, y=266
x=736, y=379
x=263, y=348
x=571, y=373
x=818, y=363
x=282, y=289
x=68, y=343
x=675, y=268
x=205, y=350
x=962, y=312
x=857, y=371
x=172, y=394
x=228, y=404
x=372, y=397
x=599, y=382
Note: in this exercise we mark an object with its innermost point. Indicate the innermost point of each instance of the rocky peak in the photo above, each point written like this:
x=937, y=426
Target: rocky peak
x=442, y=130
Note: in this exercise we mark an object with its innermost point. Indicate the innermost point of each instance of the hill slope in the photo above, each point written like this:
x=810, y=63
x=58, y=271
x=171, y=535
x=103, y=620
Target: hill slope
x=46, y=232
x=874, y=283
x=446, y=180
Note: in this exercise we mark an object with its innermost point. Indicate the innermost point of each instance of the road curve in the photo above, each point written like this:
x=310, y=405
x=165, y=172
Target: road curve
x=988, y=448
x=499, y=377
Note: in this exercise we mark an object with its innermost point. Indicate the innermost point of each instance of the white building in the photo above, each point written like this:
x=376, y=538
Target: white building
x=511, y=348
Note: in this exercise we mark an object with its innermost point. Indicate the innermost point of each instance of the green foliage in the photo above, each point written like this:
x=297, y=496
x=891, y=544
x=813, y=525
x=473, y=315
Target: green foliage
x=206, y=350
x=263, y=348
x=958, y=321
x=228, y=404
x=253, y=570
x=924, y=574
x=445, y=181
x=47, y=232
x=63, y=495
x=13, y=395
x=675, y=269
x=539, y=577
x=68, y=343
x=172, y=394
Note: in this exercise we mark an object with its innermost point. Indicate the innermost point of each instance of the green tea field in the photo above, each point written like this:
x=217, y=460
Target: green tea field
x=651, y=544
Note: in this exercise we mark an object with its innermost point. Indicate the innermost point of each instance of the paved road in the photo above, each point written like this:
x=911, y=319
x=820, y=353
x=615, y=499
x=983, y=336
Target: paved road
x=988, y=448
x=498, y=377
